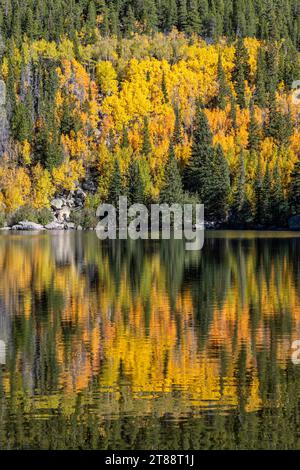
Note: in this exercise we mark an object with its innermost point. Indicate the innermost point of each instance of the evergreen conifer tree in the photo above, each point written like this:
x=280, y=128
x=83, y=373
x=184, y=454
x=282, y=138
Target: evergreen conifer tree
x=195, y=175
x=182, y=15
x=254, y=138
x=223, y=86
x=266, y=217
x=172, y=192
x=240, y=72
x=241, y=210
x=258, y=192
x=193, y=19
x=278, y=203
x=260, y=90
x=294, y=189
x=136, y=187
x=177, y=135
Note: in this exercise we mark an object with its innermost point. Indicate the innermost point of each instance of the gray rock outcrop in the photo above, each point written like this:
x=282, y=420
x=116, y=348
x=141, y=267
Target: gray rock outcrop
x=27, y=225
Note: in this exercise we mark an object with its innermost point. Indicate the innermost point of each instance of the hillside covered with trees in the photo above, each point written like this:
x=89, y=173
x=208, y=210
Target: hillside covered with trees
x=170, y=101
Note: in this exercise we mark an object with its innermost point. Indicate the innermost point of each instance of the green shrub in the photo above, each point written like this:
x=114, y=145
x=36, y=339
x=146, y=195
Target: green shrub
x=85, y=217
x=39, y=216
x=44, y=216
x=23, y=213
x=2, y=219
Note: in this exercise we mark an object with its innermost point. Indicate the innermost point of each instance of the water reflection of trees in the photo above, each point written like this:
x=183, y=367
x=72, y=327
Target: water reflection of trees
x=148, y=330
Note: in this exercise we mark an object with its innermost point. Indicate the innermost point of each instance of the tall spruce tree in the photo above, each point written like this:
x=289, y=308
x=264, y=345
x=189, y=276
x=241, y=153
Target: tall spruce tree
x=278, y=203
x=241, y=215
x=182, y=15
x=220, y=189
x=149, y=15
x=223, y=91
x=193, y=19
x=266, y=216
x=241, y=71
x=294, y=189
x=195, y=175
x=136, y=187
x=261, y=76
x=258, y=191
x=177, y=135
x=172, y=190
x=207, y=172
x=254, y=133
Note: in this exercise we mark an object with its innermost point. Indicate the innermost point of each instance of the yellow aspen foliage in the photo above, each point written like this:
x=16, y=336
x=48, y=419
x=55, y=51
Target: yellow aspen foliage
x=75, y=145
x=15, y=187
x=106, y=78
x=252, y=45
x=4, y=68
x=26, y=153
x=183, y=151
x=67, y=174
x=42, y=187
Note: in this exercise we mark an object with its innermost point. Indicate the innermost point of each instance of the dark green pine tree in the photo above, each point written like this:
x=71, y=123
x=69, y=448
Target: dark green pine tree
x=164, y=88
x=294, y=190
x=279, y=206
x=136, y=187
x=76, y=44
x=16, y=26
x=254, y=138
x=54, y=150
x=129, y=21
x=172, y=191
x=116, y=187
x=241, y=215
x=195, y=174
x=272, y=71
x=207, y=172
x=91, y=17
x=232, y=113
x=193, y=18
x=170, y=15
x=258, y=192
x=105, y=26
x=10, y=84
x=240, y=72
x=182, y=15
x=113, y=21
x=21, y=123
x=260, y=96
x=266, y=217
x=149, y=16
x=146, y=149
x=279, y=125
x=47, y=149
x=220, y=188
x=125, y=140
x=223, y=91
x=177, y=135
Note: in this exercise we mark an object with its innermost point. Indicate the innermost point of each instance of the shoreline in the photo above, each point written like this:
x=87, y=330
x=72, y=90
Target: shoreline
x=31, y=228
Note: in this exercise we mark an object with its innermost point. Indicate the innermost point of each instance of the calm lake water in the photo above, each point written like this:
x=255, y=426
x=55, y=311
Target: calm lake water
x=143, y=345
